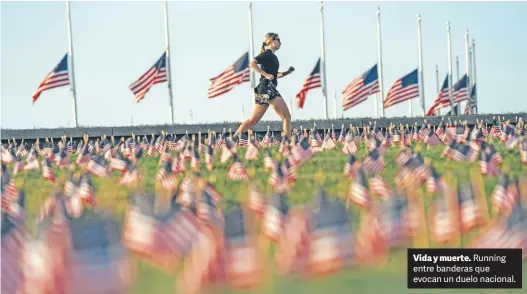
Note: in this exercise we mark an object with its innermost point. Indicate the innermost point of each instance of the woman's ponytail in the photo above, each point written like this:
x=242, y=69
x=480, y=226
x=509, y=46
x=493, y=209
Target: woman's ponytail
x=262, y=49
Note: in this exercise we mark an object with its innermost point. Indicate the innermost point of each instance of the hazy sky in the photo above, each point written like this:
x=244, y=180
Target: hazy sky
x=115, y=42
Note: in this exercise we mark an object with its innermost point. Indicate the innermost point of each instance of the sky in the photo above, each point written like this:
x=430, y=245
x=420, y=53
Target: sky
x=114, y=43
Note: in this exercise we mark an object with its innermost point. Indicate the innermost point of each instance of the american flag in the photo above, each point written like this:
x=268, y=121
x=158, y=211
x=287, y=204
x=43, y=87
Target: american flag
x=57, y=78
x=331, y=242
x=442, y=99
x=404, y=89
x=154, y=75
x=313, y=81
x=360, y=88
x=242, y=264
x=274, y=217
x=461, y=90
x=469, y=211
x=359, y=192
x=442, y=225
x=234, y=75
x=470, y=107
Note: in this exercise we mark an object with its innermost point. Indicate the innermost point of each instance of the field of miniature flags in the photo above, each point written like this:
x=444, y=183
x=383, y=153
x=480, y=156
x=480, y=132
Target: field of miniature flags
x=210, y=213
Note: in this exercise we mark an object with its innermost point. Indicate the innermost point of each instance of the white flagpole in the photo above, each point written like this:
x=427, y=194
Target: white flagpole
x=335, y=103
x=291, y=107
x=467, y=68
x=71, y=69
x=323, y=61
x=243, y=113
x=437, y=84
x=476, y=110
x=190, y=117
x=458, y=77
x=169, y=72
x=420, y=53
x=379, y=66
x=437, y=78
x=251, y=50
x=451, y=96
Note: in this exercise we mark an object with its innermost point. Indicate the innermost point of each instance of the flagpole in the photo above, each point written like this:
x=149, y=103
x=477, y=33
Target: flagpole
x=243, y=113
x=420, y=53
x=437, y=84
x=335, y=103
x=450, y=93
x=379, y=68
x=72, y=72
x=467, y=68
x=457, y=68
x=323, y=61
x=169, y=72
x=291, y=107
x=476, y=109
x=251, y=49
x=457, y=79
x=437, y=78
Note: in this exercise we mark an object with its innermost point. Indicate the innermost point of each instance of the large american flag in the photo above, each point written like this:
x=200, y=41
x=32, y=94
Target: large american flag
x=313, y=81
x=471, y=104
x=234, y=75
x=360, y=88
x=442, y=99
x=461, y=90
x=154, y=75
x=404, y=89
x=58, y=77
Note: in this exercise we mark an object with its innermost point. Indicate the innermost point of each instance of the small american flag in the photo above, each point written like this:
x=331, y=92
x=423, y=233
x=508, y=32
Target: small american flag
x=404, y=89
x=359, y=192
x=441, y=223
x=154, y=75
x=360, y=88
x=236, y=171
x=234, y=75
x=313, y=81
x=469, y=211
x=274, y=217
x=57, y=78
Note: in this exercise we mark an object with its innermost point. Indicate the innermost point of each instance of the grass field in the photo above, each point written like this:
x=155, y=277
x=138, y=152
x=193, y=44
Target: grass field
x=389, y=279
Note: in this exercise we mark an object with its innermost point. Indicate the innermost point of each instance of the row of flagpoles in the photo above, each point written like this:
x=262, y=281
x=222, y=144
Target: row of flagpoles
x=370, y=83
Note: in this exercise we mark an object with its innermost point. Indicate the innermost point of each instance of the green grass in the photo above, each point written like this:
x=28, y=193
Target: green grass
x=390, y=279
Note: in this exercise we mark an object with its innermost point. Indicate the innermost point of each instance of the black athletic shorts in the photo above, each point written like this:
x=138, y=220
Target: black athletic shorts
x=265, y=92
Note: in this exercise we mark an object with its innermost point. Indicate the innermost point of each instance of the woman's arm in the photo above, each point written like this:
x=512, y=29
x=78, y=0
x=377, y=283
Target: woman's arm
x=254, y=65
x=285, y=73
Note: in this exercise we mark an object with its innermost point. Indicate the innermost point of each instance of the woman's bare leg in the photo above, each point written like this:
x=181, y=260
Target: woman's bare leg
x=256, y=116
x=281, y=109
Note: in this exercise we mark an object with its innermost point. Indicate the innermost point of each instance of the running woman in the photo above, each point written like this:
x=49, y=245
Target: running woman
x=266, y=93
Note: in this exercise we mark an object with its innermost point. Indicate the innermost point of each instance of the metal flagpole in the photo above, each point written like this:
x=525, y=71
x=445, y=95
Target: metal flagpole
x=450, y=93
x=251, y=50
x=420, y=53
x=437, y=78
x=437, y=84
x=467, y=68
x=379, y=66
x=291, y=107
x=72, y=71
x=323, y=61
x=169, y=72
x=457, y=68
x=476, y=109
x=335, y=103
x=457, y=79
